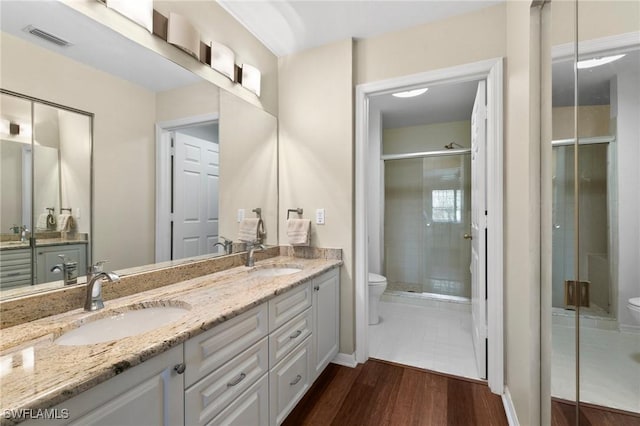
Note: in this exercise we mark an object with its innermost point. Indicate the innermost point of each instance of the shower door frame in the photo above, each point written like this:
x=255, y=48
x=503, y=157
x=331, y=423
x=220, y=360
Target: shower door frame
x=490, y=70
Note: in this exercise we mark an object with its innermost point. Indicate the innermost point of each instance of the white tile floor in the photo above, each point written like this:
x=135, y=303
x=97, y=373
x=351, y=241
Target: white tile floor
x=609, y=367
x=433, y=337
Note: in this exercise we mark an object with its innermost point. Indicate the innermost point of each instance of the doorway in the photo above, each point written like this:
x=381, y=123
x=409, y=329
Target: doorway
x=187, y=219
x=367, y=238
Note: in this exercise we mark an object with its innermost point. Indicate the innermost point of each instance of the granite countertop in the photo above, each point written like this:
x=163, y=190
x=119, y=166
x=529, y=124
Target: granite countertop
x=15, y=245
x=37, y=373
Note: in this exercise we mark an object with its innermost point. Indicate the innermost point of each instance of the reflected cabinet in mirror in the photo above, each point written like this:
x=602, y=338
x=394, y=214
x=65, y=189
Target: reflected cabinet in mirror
x=175, y=160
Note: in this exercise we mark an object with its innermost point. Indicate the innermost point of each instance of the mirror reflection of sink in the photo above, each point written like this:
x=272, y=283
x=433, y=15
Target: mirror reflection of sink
x=274, y=271
x=121, y=325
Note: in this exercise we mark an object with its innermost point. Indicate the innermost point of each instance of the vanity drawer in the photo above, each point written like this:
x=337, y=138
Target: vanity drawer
x=288, y=305
x=210, y=350
x=208, y=397
x=287, y=337
x=251, y=408
x=288, y=382
x=14, y=259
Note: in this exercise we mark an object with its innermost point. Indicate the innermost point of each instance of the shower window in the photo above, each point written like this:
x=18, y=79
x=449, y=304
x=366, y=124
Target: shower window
x=446, y=205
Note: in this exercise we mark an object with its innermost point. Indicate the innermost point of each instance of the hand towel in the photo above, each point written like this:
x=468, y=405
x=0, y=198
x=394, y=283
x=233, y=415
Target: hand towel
x=66, y=223
x=248, y=230
x=299, y=232
x=42, y=222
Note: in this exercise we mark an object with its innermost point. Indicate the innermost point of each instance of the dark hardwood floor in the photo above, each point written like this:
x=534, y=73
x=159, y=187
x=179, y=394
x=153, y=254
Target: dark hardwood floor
x=564, y=414
x=382, y=393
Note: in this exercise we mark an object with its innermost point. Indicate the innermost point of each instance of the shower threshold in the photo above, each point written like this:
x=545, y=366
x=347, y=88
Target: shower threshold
x=428, y=296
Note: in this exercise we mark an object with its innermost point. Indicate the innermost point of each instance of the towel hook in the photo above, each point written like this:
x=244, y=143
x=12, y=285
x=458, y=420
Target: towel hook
x=298, y=211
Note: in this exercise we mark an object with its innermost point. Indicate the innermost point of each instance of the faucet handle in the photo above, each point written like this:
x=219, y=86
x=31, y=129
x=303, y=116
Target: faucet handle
x=97, y=267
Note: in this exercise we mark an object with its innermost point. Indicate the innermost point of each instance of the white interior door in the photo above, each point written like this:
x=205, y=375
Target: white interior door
x=478, y=228
x=195, y=199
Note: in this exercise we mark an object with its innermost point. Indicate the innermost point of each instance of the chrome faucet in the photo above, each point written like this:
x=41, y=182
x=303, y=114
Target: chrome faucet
x=251, y=248
x=226, y=244
x=93, y=303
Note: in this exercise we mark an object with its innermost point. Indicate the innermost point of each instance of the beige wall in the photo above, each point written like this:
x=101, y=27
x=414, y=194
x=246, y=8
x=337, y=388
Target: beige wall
x=522, y=212
x=431, y=137
x=594, y=121
x=458, y=40
x=598, y=19
x=124, y=153
x=248, y=166
x=189, y=101
x=316, y=155
x=214, y=23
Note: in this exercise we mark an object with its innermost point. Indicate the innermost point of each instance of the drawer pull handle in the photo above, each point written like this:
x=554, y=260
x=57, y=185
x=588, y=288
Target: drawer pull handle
x=179, y=368
x=296, y=334
x=236, y=380
x=296, y=380
x=316, y=288
x=13, y=274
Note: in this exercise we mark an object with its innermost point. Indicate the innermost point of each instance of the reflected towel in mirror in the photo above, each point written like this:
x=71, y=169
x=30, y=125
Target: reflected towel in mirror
x=299, y=232
x=249, y=229
x=42, y=222
x=66, y=223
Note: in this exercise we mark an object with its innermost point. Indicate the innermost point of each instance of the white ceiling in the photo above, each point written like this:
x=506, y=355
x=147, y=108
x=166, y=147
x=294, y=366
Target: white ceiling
x=440, y=104
x=93, y=44
x=289, y=26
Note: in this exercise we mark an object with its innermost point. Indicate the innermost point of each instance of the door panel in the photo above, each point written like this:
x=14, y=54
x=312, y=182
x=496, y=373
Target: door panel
x=478, y=229
x=195, y=221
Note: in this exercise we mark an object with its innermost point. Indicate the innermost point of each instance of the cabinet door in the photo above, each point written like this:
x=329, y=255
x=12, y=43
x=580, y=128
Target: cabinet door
x=326, y=320
x=151, y=393
x=250, y=408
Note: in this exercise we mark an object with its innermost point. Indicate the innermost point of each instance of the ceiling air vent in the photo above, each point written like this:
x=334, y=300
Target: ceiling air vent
x=46, y=36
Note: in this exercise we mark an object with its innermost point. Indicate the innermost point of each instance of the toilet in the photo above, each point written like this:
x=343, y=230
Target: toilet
x=377, y=284
x=634, y=307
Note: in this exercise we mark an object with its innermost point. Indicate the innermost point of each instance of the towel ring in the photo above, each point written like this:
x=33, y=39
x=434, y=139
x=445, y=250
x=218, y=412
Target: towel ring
x=298, y=210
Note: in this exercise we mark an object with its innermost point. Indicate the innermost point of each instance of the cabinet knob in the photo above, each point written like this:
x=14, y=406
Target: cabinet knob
x=179, y=368
x=316, y=287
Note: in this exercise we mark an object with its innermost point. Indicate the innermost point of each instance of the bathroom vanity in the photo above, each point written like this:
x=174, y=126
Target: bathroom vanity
x=247, y=349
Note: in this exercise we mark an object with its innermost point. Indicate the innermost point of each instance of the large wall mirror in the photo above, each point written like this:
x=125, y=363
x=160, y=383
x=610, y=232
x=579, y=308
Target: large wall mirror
x=594, y=186
x=111, y=121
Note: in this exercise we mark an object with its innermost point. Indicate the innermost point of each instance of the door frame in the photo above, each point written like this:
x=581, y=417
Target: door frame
x=163, y=179
x=492, y=71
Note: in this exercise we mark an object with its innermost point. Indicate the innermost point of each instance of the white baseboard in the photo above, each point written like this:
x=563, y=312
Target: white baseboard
x=509, y=409
x=346, y=360
x=625, y=328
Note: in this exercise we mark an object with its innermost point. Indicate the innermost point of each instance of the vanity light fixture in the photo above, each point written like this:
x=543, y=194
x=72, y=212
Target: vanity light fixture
x=183, y=35
x=596, y=62
x=223, y=60
x=139, y=11
x=251, y=78
x=411, y=93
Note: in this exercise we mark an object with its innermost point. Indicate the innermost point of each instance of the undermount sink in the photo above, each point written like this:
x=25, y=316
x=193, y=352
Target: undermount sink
x=121, y=325
x=275, y=271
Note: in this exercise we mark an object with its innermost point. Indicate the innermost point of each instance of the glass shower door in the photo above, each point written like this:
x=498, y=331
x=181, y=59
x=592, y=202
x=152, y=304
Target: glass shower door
x=427, y=214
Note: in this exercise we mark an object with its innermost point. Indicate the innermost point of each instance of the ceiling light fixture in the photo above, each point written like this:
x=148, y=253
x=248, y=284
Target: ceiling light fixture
x=410, y=93
x=596, y=62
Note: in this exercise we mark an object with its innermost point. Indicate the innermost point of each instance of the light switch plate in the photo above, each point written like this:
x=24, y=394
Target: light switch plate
x=240, y=215
x=320, y=216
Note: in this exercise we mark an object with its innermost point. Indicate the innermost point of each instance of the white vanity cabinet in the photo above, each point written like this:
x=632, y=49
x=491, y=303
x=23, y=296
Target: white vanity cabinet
x=326, y=320
x=249, y=370
x=151, y=393
x=48, y=256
